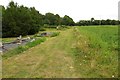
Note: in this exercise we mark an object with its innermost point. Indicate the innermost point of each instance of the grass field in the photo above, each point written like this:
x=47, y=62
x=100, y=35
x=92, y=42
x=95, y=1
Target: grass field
x=84, y=52
x=97, y=47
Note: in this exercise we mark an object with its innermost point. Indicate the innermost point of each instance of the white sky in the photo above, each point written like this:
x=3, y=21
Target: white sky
x=77, y=9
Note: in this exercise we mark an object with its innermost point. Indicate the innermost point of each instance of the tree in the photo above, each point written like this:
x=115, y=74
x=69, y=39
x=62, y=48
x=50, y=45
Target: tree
x=23, y=20
x=66, y=20
x=97, y=22
x=36, y=21
x=57, y=20
x=50, y=18
x=92, y=19
x=20, y=20
x=8, y=21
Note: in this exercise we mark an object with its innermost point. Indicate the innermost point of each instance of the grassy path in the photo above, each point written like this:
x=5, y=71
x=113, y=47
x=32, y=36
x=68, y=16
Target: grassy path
x=76, y=52
x=49, y=59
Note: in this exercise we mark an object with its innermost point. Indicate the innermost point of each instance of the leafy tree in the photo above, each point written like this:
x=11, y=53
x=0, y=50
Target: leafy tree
x=92, y=19
x=8, y=21
x=57, y=19
x=23, y=20
x=20, y=20
x=50, y=18
x=97, y=22
x=36, y=21
x=66, y=20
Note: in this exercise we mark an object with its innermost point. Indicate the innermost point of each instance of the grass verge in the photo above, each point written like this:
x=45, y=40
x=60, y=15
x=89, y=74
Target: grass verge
x=21, y=49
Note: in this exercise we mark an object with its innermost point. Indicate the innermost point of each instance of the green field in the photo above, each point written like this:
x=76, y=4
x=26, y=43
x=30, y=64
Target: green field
x=77, y=52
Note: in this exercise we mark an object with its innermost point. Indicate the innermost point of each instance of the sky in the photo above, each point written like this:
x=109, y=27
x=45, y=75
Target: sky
x=76, y=9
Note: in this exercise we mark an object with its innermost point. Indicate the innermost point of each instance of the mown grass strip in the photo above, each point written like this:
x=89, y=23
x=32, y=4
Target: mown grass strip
x=21, y=49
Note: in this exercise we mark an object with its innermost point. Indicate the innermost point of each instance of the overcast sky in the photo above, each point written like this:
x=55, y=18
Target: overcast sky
x=77, y=9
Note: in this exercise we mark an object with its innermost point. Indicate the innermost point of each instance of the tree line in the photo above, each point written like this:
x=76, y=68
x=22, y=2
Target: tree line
x=97, y=22
x=20, y=20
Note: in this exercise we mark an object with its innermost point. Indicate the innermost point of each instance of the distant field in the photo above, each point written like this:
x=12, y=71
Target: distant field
x=78, y=52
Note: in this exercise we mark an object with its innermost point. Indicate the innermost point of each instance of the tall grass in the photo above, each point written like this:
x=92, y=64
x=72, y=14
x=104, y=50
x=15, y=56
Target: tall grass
x=96, y=52
x=102, y=37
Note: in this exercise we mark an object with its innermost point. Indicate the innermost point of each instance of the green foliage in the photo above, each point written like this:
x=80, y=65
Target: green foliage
x=46, y=25
x=57, y=20
x=21, y=49
x=66, y=20
x=97, y=22
x=20, y=20
x=50, y=18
